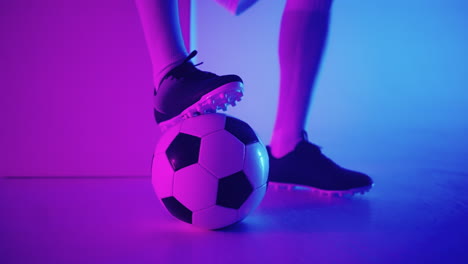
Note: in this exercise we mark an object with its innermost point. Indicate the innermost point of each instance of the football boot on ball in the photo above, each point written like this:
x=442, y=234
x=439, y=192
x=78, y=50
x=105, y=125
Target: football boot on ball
x=186, y=91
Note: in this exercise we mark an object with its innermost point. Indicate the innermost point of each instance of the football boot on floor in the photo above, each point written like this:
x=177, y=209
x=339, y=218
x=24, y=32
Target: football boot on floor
x=307, y=167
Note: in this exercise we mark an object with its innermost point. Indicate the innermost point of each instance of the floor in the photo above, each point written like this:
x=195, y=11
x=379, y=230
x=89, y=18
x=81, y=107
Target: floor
x=119, y=220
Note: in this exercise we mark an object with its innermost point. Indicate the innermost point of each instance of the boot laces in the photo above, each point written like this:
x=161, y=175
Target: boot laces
x=315, y=151
x=188, y=70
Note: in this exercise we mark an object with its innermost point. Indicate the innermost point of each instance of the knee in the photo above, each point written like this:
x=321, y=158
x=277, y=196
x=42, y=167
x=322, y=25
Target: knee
x=309, y=5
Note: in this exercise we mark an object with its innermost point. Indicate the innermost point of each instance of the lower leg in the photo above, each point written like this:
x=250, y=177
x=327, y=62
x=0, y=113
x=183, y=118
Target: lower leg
x=161, y=26
x=304, y=29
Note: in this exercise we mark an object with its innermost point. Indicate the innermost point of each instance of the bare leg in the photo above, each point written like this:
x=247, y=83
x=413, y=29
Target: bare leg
x=304, y=29
x=160, y=21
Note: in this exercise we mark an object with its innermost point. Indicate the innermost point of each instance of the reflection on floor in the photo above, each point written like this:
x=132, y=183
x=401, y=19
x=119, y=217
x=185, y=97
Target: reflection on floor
x=121, y=221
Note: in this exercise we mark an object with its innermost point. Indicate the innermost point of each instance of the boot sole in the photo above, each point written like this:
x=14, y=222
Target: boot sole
x=321, y=192
x=218, y=99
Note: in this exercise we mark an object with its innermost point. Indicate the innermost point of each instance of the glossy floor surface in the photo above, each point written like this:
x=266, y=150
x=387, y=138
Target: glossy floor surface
x=413, y=215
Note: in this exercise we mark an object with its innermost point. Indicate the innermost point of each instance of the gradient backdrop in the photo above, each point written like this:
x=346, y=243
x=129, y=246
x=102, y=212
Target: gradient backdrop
x=76, y=95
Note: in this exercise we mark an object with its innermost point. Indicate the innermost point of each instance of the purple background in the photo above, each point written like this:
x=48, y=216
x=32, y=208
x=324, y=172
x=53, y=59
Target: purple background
x=76, y=81
x=77, y=89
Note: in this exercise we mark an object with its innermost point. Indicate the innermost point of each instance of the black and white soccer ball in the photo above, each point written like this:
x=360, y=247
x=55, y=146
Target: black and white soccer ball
x=210, y=171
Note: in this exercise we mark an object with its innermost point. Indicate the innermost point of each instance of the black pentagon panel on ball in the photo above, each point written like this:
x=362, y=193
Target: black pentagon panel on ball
x=240, y=130
x=177, y=209
x=183, y=151
x=233, y=190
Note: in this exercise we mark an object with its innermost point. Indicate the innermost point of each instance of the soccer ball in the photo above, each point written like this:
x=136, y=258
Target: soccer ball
x=210, y=171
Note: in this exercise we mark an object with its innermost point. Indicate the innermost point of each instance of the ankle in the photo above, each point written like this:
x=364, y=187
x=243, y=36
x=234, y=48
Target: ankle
x=282, y=144
x=279, y=151
x=160, y=72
